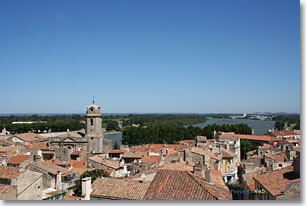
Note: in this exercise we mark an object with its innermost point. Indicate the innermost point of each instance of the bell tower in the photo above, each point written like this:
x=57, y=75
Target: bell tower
x=93, y=128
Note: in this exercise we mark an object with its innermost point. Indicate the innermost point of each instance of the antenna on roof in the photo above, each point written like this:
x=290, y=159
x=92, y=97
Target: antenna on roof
x=93, y=99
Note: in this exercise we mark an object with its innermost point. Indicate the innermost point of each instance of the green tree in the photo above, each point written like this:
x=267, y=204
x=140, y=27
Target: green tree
x=112, y=125
x=116, y=146
x=245, y=146
x=94, y=174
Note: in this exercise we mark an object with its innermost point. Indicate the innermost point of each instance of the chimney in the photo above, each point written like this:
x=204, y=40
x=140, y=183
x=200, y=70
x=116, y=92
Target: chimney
x=59, y=180
x=207, y=175
x=148, y=152
x=198, y=170
x=86, y=188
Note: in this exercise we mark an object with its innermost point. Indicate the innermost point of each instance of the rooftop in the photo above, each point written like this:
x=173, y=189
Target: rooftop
x=29, y=137
x=252, y=137
x=227, y=154
x=182, y=185
x=119, y=188
x=18, y=159
x=102, y=161
x=276, y=182
x=50, y=168
x=8, y=172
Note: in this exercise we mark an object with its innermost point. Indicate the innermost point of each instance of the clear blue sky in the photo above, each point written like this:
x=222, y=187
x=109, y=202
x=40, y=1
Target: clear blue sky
x=150, y=56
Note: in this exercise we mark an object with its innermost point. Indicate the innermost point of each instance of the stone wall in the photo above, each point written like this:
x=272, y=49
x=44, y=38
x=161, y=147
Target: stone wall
x=29, y=185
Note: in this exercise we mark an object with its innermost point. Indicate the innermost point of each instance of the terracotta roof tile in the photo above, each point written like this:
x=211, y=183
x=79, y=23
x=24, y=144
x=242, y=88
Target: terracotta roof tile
x=50, y=168
x=288, y=133
x=77, y=164
x=55, y=161
x=276, y=182
x=102, y=161
x=28, y=137
x=227, y=154
x=18, y=159
x=278, y=158
x=203, y=152
x=75, y=153
x=9, y=172
x=128, y=154
x=150, y=160
x=253, y=137
x=117, y=151
x=69, y=197
x=277, y=133
x=266, y=146
x=187, y=142
x=201, y=138
x=6, y=141
x=39, y=145
x=182, y=185
x=119, y=188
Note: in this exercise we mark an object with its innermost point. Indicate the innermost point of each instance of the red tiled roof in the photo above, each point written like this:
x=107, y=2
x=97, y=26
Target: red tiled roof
x=9, y=172
x=278, y=158
x=266, y=146
x=68, y=197
x=203, y=152
x=182, y=185
x=177, y=166
x=102, y=161
x=128, y=154
x=119, y=188
x=276, y=182
x=227, y=154
x=117, y=151
x=188, y=142
x=80, y=170
x=77, y=164
x=149, y=160
x=251, y=152
x=28, y=137
x=216, y=177
x=253, y=137
x=75, y=153
x=39, y=145
x=12, y=150
x=201, y=138
x=50, y=168
x=18, y=159
x=6, y=141
x=55, y=161
x=288, y=133
x=277, y=133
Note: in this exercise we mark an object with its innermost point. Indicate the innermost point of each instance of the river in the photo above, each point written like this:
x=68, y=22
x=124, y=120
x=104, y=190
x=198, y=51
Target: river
x=260, y=126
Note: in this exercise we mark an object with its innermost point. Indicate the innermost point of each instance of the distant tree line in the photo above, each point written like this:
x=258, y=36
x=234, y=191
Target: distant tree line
x=56, y=123
x=163, y=119
x=280, y=121
x=166, y=134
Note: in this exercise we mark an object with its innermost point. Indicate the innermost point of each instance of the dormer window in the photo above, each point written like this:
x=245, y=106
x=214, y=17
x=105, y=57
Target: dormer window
x=92, y=109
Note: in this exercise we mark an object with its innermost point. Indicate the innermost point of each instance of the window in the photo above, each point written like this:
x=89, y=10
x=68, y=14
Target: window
x=280, y=165
x=91, y=122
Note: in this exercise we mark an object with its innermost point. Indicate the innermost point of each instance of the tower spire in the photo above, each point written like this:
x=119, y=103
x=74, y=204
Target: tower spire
x=93, y=99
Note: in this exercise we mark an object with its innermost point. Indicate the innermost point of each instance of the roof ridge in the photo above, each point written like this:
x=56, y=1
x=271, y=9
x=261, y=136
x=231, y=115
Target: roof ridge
x=200, y=183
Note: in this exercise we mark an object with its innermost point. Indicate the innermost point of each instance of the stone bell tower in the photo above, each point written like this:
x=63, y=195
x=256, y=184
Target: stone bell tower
x=93, y=128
